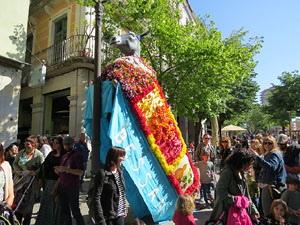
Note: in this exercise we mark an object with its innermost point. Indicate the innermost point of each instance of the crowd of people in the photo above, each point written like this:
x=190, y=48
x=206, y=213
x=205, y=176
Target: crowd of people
x=45, y=171
x=258, y=177
x=258, y=181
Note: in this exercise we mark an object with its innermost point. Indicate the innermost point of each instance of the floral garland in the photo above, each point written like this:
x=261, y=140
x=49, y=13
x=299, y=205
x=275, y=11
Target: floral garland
x=162, y=125
x=133, y=80
x=147, y=101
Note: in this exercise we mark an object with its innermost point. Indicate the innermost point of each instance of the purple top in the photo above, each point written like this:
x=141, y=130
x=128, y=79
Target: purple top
x=73, y=161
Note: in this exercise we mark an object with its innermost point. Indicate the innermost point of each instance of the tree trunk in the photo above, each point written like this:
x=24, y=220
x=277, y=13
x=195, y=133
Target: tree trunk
x=220, y=121
x=197, y=133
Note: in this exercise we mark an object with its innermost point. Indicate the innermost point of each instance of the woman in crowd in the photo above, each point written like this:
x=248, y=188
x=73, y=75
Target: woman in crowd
x=225, y=150
x=232, y=183
x=11, y=153
x=49, y=209
x=6, y=181
x=244, y=142
x=272, y=172
x=257, y=146
x=26, y=165
x=109, y=190
x=70, y=170
x=259, y=137
x=44, y=146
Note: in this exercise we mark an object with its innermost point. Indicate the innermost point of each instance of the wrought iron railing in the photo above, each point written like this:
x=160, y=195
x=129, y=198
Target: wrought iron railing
x=75, y=46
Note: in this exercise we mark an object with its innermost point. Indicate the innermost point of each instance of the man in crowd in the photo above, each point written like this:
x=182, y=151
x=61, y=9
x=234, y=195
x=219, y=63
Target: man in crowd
x=205, y=146
x=82, y=148
x=291, y=155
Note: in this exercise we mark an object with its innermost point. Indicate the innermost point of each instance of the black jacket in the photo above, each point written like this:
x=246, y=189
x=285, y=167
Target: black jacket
x=106, y=195
x=292, y=155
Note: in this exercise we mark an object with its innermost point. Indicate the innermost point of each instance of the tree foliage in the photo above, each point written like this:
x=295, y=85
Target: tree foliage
x=255, y=120
x=196, y=67
x=242, y=98
x=284, y=99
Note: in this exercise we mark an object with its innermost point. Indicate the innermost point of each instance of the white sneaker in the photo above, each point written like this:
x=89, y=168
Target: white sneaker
x=202, y=201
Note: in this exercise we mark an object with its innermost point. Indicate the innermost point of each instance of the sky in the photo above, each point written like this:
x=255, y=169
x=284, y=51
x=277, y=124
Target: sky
x=278, y=21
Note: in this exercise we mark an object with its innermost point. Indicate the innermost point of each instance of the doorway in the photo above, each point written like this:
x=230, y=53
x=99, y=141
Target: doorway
x=57, y=110
x=25, y=118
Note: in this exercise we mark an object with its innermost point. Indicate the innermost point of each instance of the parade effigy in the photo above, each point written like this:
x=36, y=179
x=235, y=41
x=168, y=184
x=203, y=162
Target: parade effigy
x=147, y=101
x=142, y=122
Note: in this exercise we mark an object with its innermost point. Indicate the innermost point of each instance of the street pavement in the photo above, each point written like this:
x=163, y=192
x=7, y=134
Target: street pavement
x=201, y=214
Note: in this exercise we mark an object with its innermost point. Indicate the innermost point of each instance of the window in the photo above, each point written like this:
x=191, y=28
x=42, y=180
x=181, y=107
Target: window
x=60, y=35
x=29, y=45
x=60, y=30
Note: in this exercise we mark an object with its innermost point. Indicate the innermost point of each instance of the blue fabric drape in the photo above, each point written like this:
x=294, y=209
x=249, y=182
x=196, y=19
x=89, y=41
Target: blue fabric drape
x=148, y=180
x=144, y=176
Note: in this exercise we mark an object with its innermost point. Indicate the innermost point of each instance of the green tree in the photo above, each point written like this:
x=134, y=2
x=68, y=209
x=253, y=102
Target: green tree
x=195, y=65
x=284, y=99
x=242, y=99
x=257, y=121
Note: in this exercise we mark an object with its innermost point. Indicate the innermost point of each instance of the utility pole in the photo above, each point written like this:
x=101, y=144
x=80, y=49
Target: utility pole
x=96, y=142
x=290, y=124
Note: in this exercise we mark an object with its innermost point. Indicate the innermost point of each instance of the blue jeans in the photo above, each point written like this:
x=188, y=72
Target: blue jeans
x=69, y=200
x=205, y=192
x=82, y=176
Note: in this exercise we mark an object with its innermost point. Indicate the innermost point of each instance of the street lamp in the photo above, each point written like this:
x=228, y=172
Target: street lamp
x=96, y=142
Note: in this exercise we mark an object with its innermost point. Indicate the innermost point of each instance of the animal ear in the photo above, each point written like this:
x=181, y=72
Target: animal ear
x=142, y=36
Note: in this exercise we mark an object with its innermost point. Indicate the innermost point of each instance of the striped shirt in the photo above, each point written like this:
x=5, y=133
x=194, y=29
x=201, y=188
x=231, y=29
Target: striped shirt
x=122, y=202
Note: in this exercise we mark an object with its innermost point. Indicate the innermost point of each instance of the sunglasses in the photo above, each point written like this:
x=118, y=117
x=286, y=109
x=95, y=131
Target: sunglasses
x=207, y=138
x=224, y=141
x=267, y=143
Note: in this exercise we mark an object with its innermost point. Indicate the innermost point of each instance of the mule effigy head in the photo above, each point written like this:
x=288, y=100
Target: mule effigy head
x=129, y=43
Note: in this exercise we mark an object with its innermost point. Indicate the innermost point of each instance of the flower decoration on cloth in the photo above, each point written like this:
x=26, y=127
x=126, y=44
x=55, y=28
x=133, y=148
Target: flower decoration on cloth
x=133, y=74
x=237, y=213
x=147, y=101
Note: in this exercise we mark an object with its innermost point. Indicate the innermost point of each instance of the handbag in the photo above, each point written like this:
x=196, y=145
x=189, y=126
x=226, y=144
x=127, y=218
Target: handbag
x=275, y=192
x=54, y=190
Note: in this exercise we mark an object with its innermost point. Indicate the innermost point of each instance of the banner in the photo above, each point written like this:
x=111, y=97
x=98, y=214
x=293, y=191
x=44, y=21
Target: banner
x=107, y=99
x=147, y=186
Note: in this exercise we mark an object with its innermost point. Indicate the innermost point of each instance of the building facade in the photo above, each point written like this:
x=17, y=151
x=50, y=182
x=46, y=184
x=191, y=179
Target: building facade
x=264, y=95
x=59, y=39
x=12, y=55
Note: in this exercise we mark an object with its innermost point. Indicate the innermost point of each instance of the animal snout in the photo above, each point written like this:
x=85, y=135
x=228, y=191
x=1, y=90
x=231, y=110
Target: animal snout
x=115, y=40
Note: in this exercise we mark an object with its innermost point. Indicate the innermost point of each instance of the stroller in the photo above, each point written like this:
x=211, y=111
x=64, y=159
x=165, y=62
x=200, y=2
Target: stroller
x=7, y=215
x=22, y=187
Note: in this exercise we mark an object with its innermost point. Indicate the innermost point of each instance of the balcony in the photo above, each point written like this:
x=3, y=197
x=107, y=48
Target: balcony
x=74, y=52
x=75, y=46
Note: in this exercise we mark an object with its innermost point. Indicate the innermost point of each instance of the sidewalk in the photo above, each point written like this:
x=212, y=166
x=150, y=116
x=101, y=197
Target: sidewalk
x=201, y=214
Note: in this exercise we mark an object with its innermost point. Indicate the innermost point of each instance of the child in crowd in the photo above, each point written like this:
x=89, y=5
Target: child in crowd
x=206, y=168
x=184, y=211
x=292, y=198
x=254, y=190
x=278, y=215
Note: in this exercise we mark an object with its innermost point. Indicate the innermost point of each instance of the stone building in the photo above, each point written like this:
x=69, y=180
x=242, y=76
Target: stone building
x=12, y=55
x=58, y=38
